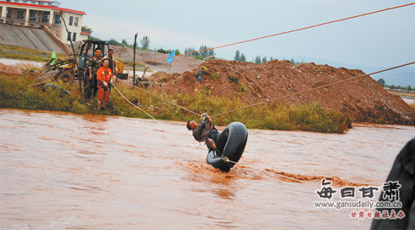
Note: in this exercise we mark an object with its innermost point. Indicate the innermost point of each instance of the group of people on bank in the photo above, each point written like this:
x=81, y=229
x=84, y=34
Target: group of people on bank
x=99, y=76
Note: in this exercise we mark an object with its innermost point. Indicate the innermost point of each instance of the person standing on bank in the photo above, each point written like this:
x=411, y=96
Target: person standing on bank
x=93, y=64
x=104, y=78
x=112, y=65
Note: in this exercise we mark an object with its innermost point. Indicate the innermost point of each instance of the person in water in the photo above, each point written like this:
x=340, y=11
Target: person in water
x=204, y=131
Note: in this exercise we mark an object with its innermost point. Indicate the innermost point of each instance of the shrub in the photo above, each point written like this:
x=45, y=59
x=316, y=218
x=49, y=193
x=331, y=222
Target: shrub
x=234, y=79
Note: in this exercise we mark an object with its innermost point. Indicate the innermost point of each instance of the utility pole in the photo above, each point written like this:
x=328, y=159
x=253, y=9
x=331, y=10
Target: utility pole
x=80, y=79
x=135, y=46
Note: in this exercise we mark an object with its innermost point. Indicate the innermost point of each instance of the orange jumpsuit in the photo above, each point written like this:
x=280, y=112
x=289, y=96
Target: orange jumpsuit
x=104, y=74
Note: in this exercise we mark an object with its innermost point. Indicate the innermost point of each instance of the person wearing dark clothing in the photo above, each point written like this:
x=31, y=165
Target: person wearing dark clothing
x=403, y=172
x=112, y=62
x=204, y=131
x=93, y=64
x=112, y=65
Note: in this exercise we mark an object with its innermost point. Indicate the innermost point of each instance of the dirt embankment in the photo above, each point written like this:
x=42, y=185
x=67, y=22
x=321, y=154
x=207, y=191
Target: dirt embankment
x=10, y=70
x=363, y=99
x=180, y=63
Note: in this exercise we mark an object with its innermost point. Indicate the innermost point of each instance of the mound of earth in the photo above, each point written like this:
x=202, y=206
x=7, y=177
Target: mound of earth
x=10, y=70
x=363, y=99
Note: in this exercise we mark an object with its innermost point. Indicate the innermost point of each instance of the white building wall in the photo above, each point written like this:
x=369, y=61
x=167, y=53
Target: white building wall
x=72, y=28
x=63, y=35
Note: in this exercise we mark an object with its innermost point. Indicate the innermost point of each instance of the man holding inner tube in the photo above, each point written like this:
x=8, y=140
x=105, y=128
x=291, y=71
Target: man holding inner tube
x=204, y=131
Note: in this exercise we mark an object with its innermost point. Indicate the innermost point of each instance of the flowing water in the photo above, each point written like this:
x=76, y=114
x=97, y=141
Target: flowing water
x=66, y=171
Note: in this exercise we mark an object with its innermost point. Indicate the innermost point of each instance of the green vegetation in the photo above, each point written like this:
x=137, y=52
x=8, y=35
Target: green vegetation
x=145, y=43
x=87, y=29
x=213, y=75
x=239, y=56
x=382, y=82
x=15, y=52
x=201, y=54
x=15, y=93
x=233, y=79
x=163, y=51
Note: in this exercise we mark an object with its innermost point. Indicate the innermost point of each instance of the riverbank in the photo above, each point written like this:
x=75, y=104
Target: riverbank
x=16, y=93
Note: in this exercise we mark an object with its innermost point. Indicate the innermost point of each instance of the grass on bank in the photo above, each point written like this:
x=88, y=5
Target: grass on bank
x=407, y=94
x=16, y=52
x=15, y=93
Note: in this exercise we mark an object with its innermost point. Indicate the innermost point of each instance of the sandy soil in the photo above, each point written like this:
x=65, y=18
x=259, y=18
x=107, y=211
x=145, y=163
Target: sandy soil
x=10, y=69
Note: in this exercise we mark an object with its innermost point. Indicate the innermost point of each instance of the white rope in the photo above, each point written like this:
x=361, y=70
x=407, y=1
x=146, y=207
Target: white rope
x=135, y=106
x=168, y=101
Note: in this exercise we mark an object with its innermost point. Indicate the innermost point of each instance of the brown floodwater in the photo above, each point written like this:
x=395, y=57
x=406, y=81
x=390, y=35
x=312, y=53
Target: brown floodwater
x=67, y=171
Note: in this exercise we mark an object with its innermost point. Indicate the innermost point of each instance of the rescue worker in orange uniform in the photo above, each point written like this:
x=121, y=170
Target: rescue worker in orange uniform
x=104, y=78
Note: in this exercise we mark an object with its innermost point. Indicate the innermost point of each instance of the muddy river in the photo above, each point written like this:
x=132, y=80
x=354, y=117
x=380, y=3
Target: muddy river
x=66, y=171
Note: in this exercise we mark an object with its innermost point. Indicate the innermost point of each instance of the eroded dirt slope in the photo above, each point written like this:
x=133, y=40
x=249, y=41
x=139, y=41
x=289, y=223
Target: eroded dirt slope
x=363, y=99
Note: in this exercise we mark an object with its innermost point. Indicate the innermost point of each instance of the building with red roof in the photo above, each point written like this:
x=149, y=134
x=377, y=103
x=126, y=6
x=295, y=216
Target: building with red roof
x=44, y=12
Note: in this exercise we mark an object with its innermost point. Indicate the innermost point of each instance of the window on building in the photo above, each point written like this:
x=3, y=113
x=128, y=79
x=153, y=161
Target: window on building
x=69, y=36
x=45, y=17
x=32, y=16
x=76, y=21
x=58, y=19
x=74, y=37
x=8, y=14
x=70, y=20
x=20, y=14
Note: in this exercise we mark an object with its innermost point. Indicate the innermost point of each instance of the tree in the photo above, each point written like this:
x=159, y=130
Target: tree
x=113, y=42
x=211, y=53
x=293, y=62
x=264, y=60
x=203, y=51
x=381, y=82
x=124, y=43
x=145, y=43
x=237, y=56
x=190, y=51
x=86, y=29
x=271, y=59
x=242, y=58
x=95, y=38
x=258, y=60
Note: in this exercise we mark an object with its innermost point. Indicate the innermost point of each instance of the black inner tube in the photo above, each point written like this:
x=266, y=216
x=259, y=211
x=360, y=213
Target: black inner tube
x=223, y=138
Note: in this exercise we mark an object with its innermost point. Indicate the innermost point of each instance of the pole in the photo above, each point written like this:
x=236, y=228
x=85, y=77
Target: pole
x=135, y=46
x=74, y=55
